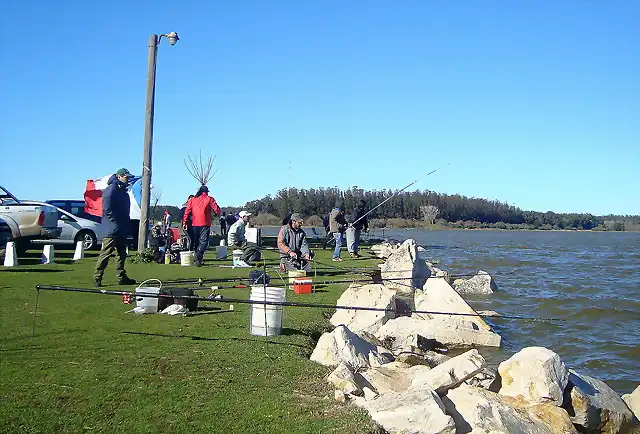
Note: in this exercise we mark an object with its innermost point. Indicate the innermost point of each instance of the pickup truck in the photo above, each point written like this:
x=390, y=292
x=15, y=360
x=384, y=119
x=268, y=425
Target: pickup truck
x=27, y=222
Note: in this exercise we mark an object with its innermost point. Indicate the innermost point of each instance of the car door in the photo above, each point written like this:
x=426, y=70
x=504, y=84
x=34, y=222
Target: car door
x=69, y=226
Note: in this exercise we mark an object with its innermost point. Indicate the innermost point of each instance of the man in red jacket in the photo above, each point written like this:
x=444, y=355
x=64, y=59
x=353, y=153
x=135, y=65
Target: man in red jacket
x=200, y=209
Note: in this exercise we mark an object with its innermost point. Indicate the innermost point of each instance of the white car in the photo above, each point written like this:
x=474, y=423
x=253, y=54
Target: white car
x=76, y=229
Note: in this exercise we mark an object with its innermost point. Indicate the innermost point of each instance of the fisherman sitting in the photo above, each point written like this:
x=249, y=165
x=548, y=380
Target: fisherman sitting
x=236, y=239
x=293, y=246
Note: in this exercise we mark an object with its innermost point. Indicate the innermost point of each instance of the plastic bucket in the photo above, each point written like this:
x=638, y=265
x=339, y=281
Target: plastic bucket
x=150, y=304
x=266, y=320
x=294, y=274
x=186, y=259
x=237, y=254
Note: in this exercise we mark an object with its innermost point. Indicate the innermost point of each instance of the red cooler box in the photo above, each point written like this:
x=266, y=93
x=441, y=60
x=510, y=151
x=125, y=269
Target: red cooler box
x=303, y=286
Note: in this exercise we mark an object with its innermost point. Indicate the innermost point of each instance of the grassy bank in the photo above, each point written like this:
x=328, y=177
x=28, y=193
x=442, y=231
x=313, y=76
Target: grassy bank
x=91, y=367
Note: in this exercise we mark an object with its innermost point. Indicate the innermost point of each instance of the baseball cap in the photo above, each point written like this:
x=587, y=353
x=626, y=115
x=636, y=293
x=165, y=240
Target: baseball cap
x=124, y=172
x=244, y=214
x=296, y=216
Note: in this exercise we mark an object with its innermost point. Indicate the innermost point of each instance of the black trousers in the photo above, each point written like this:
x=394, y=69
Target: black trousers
x=201, y=240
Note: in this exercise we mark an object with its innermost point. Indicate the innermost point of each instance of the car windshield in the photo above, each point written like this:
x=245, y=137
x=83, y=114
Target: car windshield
x=5, y=199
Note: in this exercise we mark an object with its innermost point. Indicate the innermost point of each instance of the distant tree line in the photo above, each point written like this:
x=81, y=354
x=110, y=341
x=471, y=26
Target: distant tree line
x=428, y=206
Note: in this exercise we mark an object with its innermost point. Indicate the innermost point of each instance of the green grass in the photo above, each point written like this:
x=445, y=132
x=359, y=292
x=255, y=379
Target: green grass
x=91, y=367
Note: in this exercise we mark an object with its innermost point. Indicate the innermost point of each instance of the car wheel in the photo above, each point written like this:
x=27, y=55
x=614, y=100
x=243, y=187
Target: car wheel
x=88, y=238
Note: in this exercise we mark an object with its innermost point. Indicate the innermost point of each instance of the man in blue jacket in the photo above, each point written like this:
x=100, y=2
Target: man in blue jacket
x=115, y=221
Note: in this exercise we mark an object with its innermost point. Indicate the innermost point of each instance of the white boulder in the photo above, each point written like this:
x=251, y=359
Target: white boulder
x=594, y=406
x=535, y=374
x=481, y=283
x=404, y=270
x=342, y=379
x=384, y=250
x=451, y=373
x=344, y=346
x=478, y=410
x=372, y=295
x=411, y=411
x=633, y=401
x=392, y=377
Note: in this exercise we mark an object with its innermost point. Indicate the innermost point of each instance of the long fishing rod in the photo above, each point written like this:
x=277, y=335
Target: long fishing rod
x=393, y=195
x=284, y=303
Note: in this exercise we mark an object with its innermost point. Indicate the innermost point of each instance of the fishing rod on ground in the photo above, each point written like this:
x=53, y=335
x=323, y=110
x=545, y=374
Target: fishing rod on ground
x=286, y=303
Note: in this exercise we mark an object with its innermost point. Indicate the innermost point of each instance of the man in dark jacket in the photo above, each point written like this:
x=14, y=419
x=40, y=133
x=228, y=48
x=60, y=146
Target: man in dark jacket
x=359, y=222
x=337, y=226
x=293, y=246
x=115, y=221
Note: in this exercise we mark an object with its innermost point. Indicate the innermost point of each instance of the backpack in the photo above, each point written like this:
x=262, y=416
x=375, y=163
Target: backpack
x=176, y=297
x=259, y=277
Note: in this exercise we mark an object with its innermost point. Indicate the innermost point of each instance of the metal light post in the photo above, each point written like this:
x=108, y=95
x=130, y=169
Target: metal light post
x=154, y=40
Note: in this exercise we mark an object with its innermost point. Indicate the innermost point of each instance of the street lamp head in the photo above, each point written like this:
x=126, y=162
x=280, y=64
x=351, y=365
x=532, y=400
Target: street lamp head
x=173, y=38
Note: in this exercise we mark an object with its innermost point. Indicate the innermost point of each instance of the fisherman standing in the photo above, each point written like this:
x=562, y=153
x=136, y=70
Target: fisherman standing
x=199, y=210
x=115, y=221
x=337, y=226
x=358, y=223
x=293, y=246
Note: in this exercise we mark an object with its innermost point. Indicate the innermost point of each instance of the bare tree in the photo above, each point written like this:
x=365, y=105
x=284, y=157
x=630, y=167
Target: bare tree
x=200, y=170
x=156, y=195
x=429, y=213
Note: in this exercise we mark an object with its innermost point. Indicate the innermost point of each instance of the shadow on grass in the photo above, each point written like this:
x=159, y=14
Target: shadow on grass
x=200, y=338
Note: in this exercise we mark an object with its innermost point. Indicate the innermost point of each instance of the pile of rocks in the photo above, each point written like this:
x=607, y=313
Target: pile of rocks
x=382, y=364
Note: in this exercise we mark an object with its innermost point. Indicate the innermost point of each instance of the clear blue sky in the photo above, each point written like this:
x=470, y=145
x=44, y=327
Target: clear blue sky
x=533, y=103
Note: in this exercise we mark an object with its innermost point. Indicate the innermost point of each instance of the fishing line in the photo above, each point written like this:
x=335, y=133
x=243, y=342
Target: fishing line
x=285, y=303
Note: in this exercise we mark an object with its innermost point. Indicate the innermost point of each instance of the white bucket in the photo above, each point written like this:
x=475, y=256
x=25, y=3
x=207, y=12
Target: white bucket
x=150, y=304
x=273, y=317
x=186, y=259
x=237, y=254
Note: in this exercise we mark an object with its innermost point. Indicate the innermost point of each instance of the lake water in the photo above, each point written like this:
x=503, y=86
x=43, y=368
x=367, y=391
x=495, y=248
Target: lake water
x=589, y=279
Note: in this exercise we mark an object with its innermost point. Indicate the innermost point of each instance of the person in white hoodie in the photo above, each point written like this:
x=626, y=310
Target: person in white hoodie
x=236, y=239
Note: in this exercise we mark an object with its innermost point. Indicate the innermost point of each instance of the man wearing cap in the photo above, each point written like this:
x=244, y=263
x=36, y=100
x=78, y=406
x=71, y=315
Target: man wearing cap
x=116, y=224
x=236, y=238
x=293, y=246
x=337, y=226
x=199, y=210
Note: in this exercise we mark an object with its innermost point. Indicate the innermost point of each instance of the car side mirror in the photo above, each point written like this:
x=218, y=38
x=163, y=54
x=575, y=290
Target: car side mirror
x=64, y=217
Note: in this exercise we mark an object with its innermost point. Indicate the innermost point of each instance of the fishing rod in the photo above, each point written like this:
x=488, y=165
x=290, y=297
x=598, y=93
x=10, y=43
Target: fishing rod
x=286, y=303
x=393, y=195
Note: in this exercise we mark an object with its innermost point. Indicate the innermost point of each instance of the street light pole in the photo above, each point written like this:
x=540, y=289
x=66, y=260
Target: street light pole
x=148, y=136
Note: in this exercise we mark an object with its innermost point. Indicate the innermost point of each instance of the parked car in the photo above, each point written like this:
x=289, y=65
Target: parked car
x=75, y=207
x=74, y=229
x=28, y=221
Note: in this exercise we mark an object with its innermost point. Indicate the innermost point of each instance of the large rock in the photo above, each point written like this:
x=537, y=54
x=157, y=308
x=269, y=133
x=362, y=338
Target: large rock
x=407, y=331
x=342, y=379
x=344, y=346
x=633, y=401
x=466, y=327
x=372, y=295
x=451, y=373
x=481, y=283
x=478, y=410
x=594, y=406
x=535, y=374
x=392, y=377
x=411, y=411
x=384, y=249
x=405, y=272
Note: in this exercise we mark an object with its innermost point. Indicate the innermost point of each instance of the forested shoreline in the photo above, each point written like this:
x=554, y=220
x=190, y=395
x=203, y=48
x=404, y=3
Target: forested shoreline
x=421, y=208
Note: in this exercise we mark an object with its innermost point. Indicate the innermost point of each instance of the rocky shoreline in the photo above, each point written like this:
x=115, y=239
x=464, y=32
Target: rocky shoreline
x=395, y=366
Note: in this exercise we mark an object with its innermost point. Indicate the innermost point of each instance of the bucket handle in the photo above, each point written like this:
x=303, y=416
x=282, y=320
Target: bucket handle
x=149, y=280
